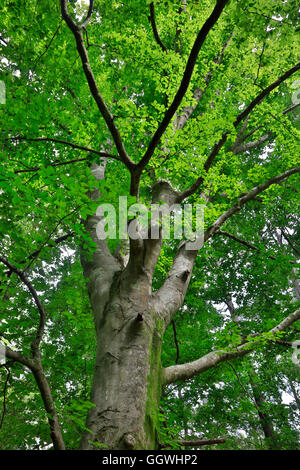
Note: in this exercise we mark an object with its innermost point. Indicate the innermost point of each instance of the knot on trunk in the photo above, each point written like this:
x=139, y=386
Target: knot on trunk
x=129, y=441
x=184, y=275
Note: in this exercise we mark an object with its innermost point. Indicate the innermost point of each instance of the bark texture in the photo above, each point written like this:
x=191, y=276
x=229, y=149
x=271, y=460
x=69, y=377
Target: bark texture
x=129, y=328
x=127, y=379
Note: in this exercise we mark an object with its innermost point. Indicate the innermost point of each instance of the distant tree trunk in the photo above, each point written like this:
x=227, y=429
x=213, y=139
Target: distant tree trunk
x=265, y=420
x=294, y=392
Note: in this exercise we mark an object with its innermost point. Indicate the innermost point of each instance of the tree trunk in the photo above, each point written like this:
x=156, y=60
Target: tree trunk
x=127, y=378
x=46, y=394
x=294, y=392
x=129, y=326
x=265, y=420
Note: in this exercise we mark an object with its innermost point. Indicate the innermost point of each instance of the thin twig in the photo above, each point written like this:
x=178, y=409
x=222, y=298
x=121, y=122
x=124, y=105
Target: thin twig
x=47, y=46
x=64, y=142
x=241, y=384
x=154, y=28
x=260, y=63
x=38, y=168
x=290, y=243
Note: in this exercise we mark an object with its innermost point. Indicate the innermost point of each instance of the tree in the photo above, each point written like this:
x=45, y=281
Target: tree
x=164, y=103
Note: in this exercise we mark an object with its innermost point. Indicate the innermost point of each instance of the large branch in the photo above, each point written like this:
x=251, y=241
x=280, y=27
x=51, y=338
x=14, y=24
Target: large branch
x=189, y=370
x=246, y=198
x=246, y=243
x=251, y=145
x=197, y=443
x=99, y=267
x=77, y=32
x=201, y=442
x=19, y=357
x=264, y=93
x=186, y=112
x=40, y=330
x=209, y=23
x=241, y=117
x=169, y=298
x=88, y=16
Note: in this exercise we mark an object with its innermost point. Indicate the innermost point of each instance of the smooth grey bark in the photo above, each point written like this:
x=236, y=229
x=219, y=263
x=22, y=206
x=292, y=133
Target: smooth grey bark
x=127, y=379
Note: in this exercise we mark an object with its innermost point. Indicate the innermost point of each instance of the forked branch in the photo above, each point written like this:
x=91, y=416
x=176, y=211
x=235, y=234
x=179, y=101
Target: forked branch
x=70, y=22
x=209, y=23
x=168, y=299
x=35, y=364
